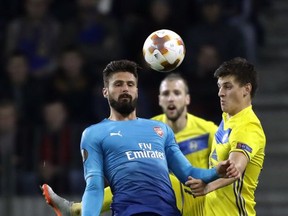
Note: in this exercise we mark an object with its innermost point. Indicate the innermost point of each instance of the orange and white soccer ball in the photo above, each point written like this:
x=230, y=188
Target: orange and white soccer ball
x=164, y=50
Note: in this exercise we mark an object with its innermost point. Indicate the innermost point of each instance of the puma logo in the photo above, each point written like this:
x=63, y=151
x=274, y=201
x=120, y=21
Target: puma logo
x=116, y=134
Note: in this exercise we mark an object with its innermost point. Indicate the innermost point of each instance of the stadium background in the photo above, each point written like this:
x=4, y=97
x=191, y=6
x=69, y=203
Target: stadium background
x=105, y=30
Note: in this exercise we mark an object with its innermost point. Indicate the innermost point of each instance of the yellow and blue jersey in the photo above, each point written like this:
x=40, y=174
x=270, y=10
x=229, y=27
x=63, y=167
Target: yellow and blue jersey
x=195, y=142
x=242, y=133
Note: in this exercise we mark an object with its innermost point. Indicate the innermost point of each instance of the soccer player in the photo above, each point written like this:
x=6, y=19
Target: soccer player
x=240, y=137
x=194, y=135
x=134, y=154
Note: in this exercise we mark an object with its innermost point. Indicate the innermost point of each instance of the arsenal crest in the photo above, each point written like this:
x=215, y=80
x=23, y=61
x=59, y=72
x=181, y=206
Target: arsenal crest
x=159, y=131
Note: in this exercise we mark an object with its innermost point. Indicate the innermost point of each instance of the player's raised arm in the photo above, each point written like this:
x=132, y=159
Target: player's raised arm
x=182, y=168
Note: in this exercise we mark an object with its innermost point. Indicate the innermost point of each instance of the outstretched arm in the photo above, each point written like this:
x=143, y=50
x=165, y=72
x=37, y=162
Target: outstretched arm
x=182, y=168
x=200, y=188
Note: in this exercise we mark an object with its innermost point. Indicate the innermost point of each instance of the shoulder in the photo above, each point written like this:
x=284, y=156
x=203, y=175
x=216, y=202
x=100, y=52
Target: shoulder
x=94, y=129
x=248, y=121
x=249, y=128
x=94, y=134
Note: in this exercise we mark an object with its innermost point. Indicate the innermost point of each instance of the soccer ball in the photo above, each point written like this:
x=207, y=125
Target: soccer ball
x=164, y=50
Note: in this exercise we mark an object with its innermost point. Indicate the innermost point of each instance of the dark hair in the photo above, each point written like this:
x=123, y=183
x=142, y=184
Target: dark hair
x=119, y=66
x=243, y=71
x=177, y=76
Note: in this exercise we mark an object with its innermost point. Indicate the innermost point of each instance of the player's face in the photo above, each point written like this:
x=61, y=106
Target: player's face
x=122, y=92
x=173, y=99
x=232, y=95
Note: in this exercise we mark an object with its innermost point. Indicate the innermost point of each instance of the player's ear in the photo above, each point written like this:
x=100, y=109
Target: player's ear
x=105, y=92
x=247, y=89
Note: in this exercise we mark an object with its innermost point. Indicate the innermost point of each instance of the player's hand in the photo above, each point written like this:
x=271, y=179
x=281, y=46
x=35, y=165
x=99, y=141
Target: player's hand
x=227, y=169
x=197, y=186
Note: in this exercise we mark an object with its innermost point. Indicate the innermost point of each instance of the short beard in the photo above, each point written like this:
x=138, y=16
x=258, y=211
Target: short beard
x=125, y=108
x=178, y=114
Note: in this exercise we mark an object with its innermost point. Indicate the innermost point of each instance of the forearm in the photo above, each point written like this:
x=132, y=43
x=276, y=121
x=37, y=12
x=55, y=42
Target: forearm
x=90, y=205
x=206, y=175
x=92, y=198
x=182, y=168
x=219, y=183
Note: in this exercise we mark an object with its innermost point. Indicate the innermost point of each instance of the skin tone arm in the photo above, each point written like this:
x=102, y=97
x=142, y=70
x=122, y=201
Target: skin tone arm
x=199, y=188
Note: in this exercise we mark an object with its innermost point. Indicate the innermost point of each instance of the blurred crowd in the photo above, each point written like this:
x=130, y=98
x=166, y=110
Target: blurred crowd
x=52, y=54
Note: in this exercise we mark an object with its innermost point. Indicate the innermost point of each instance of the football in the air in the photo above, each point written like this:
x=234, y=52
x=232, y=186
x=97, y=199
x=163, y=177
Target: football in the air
x=164, y=50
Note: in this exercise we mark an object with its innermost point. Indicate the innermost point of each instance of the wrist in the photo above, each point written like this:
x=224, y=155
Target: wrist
x=207, y=189
x=214, y=173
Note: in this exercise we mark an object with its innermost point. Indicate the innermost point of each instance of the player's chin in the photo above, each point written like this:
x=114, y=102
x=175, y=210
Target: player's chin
x=171, y=116
x=223, y=108
x=125, y=100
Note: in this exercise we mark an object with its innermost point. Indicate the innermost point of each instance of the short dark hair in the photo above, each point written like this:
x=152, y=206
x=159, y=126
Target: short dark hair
x=243, y=71
x=119, y=66
x=177, y=76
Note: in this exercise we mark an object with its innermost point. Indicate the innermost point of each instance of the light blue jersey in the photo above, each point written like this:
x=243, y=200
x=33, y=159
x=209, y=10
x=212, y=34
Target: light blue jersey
x=135, y=157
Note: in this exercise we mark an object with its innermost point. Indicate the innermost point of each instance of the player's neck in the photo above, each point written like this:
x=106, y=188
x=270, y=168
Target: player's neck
x=240, y=107
x=116, y=116
x=179, y=124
